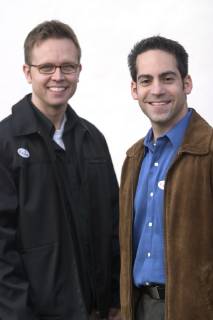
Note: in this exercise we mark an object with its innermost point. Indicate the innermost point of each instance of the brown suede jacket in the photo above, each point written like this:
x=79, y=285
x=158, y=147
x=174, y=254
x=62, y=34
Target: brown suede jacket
x=188, y=222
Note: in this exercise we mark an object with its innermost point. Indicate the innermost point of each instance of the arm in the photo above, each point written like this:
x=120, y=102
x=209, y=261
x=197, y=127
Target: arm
x=116, y=250
x=103, y=187
x=13, y=283
x=114, y=312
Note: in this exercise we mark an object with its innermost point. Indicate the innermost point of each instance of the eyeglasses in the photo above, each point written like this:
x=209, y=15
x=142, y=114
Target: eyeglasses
x=49, y=68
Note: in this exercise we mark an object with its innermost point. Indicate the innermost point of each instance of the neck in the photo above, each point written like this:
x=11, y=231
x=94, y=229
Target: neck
x=55, y=116
x=54, y=113
x=158, y=132
x=160, y=129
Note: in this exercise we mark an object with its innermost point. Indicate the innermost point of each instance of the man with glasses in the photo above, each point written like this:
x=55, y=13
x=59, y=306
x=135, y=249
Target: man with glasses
x=59, y=252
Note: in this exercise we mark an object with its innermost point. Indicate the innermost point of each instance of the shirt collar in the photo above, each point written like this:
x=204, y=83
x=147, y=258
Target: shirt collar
x=61, y=129
x=176, y=134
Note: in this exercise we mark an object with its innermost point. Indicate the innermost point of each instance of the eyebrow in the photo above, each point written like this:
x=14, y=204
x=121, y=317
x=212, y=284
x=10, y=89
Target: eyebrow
x=164, y=74
x=52, y=63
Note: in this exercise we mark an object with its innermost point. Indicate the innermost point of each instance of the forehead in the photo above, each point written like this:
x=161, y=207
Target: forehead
x=155, y=62
x=54, y=50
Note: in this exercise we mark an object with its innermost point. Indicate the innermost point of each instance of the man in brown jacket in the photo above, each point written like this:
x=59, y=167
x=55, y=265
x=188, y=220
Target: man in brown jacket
x=166, y=193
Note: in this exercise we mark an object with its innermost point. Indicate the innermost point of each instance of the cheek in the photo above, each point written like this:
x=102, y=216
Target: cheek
x=142, y=95
x=73, y=80
x=41, y=82
x=138, y=93
x=73, y=84
x=38, y=87
x=28, y=77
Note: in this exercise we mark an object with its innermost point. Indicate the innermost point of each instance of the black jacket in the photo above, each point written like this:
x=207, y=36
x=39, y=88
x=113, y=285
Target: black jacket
x=40, y=275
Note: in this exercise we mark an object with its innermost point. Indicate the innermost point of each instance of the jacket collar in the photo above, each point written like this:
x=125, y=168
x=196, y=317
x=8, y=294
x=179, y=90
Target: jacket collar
x=197, y=138
x=23, y=118
x=25, y=122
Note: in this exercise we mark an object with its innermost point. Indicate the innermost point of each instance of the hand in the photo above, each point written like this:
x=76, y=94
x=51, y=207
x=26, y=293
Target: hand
x=114, y=314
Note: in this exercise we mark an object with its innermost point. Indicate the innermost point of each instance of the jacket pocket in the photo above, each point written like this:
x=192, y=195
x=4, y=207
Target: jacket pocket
x=97, y=161
x=49, y=317
x=206, y=279
x=43, y=268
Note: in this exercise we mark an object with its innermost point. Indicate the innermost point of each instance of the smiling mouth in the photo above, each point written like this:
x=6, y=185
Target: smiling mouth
x=159, y=103
x=57, y=89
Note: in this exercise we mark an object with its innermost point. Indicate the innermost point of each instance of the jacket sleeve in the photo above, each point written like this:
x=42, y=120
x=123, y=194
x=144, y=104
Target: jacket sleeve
x=13, y=284
x=115, y=294
x=115, y=249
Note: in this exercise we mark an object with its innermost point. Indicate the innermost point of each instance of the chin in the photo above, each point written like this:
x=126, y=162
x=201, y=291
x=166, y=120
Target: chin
x=60, y=106
x=159, y=119
x=58, y=102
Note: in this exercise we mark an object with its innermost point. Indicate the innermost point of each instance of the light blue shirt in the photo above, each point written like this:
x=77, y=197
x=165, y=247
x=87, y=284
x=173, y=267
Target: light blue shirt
x=149, y=204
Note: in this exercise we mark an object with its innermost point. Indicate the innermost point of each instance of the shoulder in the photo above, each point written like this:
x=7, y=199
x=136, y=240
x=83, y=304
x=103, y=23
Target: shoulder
x=84, y=124
x=198, y=122
x=94, y=138
x=5, y=128
x=91, y=128
x=7, y=142
x=136, y=148
x=199, y=134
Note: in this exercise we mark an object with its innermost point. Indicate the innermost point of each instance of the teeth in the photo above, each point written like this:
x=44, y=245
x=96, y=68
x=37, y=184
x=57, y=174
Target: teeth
x=57, y=89
x=159, y=103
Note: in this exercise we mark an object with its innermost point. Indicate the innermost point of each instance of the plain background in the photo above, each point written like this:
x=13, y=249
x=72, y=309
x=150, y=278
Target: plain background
x=107, y=30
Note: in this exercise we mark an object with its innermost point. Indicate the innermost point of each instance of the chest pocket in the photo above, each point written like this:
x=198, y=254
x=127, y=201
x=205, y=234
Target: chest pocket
x=31, y=150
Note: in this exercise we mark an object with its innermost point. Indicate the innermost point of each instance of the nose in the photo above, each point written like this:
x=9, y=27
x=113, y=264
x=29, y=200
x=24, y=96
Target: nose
x=58, y=74
x=157, y=88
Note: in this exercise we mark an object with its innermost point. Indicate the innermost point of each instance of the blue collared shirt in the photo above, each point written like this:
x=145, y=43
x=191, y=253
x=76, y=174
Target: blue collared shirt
x=149, y=204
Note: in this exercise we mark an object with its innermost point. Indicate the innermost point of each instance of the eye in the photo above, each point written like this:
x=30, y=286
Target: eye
x=169, y=79
x=144, y=82
x=46, y=68
x=69, y=68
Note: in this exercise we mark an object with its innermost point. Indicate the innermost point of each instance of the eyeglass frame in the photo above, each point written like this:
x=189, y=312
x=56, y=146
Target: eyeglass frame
x=39, y=66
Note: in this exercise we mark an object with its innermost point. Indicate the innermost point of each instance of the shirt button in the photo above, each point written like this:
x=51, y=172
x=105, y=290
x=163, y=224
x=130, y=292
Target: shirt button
x=148, y=254
x=156, y=164
x=150, y=224
x=151, y=194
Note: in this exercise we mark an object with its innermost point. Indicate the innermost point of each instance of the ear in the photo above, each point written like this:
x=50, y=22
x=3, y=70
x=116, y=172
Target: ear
x=80, y=68
x=79, y=71
x=187, y=83
x=27, y=73
x=134, y=90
